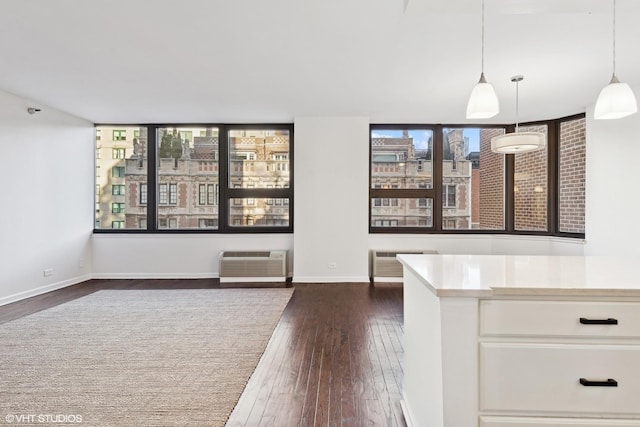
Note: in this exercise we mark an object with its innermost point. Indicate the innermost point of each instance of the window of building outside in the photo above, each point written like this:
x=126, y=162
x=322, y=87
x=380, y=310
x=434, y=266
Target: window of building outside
x=118, y=153
x=191, y=189
x=143, y=195
x=188, y=173
x=530, y=186
x=259, y=161
x=401, y=186
x=117, y=190
x=119, y=134
x=422, y=172
x=572, y=176
x=121, y=154
x=472, y=180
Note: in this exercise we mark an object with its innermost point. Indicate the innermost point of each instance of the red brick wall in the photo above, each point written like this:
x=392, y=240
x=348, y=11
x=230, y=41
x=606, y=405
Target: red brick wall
x=531, y=187
x=475, y=197
x=571, y=200
x=491, y=183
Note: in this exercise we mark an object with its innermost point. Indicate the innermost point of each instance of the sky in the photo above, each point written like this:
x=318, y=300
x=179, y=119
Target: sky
x=421, y=137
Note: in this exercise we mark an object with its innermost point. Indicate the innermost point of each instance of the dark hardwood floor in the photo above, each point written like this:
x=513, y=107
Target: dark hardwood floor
x=335, y=357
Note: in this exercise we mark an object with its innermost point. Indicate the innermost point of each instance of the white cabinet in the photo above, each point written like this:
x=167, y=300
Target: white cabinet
x=573, y=360
x=559, y=318
x=521, y=341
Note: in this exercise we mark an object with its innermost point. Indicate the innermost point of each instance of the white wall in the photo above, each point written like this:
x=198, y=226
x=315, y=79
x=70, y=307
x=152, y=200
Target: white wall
x=481, y=244
x=331, y=199
x=48, y=174
x=612, y=196
x=46, y=218
x=174, y=256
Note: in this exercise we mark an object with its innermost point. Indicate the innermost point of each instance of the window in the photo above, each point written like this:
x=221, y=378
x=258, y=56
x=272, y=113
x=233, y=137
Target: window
x=143, y=194
x=453, y=182
x=208, y=194
x=212, y=194
x=173, y=194
x=572, y=176
x=449, y=196
x=208, y=223
x=117, y=190
x=117, y=208
x=472, y=179
x=123, y=176
x=118, y=172
x=530, y=186
x=190, y=185
x=118, y=153
x=258, y=212
x=119, y=134
x=163, y=198
x=401, y=177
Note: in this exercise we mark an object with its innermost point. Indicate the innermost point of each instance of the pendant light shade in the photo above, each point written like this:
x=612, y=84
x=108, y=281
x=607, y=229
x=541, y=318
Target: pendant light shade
x=616, y=100
x=483, y=102
x=518, y=142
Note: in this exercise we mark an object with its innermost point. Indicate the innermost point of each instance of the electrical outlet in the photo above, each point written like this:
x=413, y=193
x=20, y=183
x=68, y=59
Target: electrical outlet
x=332, y=265
x=81, y=263
x=48, y=272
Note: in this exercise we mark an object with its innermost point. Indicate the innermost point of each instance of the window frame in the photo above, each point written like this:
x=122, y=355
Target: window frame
x=223, y=196
x=553, y=191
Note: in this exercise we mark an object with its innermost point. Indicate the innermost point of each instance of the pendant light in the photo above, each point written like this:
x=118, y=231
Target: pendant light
x=483, y=102
x=518, y=142
x=616, y=100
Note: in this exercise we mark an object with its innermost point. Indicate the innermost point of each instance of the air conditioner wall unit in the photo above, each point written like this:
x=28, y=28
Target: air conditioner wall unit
x=385, y=266
x=253, y=266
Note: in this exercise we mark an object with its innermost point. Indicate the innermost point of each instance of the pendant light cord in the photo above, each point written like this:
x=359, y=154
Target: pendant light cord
x=614, y=38
x=482, y=54
x=517, y=85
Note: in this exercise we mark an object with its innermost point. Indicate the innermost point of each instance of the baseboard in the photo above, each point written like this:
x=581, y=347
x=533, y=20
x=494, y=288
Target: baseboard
x=281, y=284
x=326, y=279
x=380, y=279
x=408, y=419
x=44, y=289
x=154, y=276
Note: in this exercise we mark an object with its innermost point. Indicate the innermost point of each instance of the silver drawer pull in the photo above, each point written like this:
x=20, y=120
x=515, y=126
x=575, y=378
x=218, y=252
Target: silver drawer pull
x=608, y=383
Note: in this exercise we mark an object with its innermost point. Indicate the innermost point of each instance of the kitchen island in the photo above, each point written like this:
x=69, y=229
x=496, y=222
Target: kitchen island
x=515, y=341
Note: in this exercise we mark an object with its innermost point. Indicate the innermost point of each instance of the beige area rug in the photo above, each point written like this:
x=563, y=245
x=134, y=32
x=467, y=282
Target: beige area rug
x=136, y=357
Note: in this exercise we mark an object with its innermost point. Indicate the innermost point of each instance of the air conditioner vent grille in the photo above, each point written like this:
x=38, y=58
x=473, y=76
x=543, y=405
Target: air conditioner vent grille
x=385, y=265
x=238, y=266
x=246, y=254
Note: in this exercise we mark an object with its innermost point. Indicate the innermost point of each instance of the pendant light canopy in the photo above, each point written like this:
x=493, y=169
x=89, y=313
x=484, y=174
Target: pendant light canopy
x=483, y=102
x=518, y=142
x=616, y=100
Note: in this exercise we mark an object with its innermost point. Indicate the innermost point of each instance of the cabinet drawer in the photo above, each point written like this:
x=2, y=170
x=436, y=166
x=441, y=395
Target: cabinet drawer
x=554, y=422
x=545, y=378
x=559, y=318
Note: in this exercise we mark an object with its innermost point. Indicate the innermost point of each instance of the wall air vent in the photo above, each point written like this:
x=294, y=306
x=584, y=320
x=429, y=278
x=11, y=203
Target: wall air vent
x=384, y=267
x=253, y=266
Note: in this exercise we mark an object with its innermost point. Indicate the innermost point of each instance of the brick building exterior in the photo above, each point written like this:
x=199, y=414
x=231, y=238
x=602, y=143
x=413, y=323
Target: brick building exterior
x=572, y=176
x=188, y=182
x=491, y=183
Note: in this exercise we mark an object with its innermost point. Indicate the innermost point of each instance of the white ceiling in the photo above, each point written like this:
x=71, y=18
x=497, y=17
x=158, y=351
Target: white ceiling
x=235, y=61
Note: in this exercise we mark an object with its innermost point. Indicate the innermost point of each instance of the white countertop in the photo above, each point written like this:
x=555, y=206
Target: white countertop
x=494, y=275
